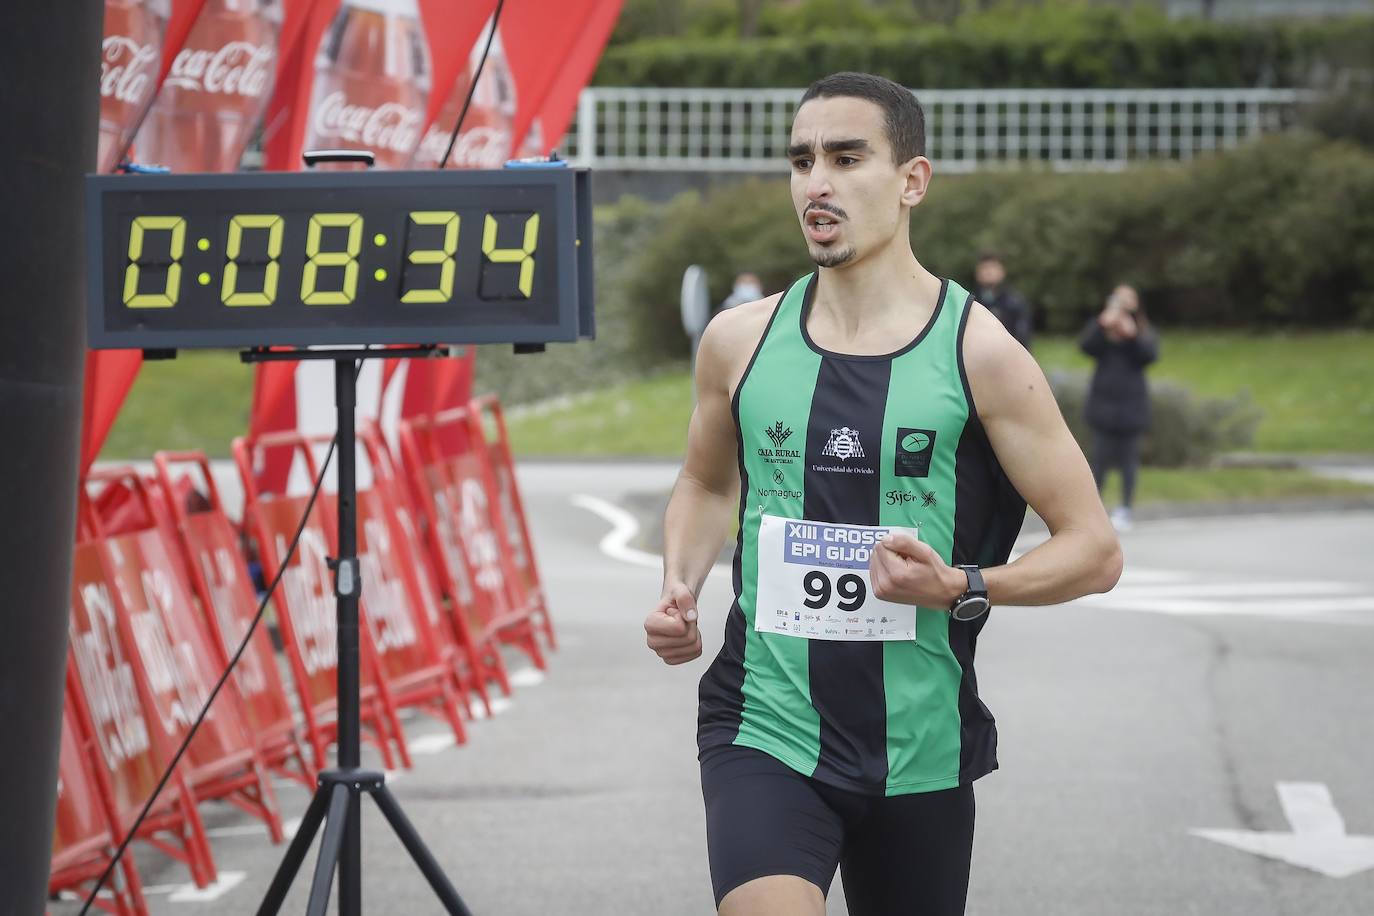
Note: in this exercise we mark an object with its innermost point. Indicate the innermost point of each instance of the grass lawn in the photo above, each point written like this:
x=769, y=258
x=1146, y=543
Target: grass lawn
x=1207, y=485
x=1316, y=389
x=198, y=400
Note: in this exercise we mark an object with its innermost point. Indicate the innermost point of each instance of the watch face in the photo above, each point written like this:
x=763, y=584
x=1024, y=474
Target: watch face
x=970, y=609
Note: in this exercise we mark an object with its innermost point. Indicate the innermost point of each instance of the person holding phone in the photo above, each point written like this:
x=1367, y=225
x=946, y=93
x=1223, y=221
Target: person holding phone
x=1123, y=343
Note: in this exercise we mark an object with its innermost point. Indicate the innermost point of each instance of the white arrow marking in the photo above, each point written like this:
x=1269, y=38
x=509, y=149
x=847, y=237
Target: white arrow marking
x=1318, y=841
x=615, y=544
x=189, y=893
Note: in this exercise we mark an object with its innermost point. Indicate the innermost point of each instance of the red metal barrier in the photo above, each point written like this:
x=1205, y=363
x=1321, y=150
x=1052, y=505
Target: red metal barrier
x=222, y=584
x=179, y=658
x=416, y=672
x=84, y=835
x=305, y=609
x=111, y=696
x=490, y=422
x=439, y=500
x=503, y=603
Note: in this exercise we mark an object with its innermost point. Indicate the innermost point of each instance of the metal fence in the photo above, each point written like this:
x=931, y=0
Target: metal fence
x=746, y=130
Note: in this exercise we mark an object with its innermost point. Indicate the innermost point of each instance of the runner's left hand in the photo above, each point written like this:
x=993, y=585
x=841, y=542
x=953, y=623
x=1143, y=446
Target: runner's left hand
x=907, y=571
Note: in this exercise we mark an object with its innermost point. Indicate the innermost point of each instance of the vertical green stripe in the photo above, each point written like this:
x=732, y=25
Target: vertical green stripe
x=778, y=716
x=921, y=679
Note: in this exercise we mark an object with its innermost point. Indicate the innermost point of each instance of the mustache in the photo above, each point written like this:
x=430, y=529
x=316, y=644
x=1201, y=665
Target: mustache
x=825, y=208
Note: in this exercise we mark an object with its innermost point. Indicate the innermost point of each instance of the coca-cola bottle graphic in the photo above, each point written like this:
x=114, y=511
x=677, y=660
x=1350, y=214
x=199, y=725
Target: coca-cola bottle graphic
x=372, y=79
x=485, y=141
x=217, y=89
x=533, y=144
x=129, y=57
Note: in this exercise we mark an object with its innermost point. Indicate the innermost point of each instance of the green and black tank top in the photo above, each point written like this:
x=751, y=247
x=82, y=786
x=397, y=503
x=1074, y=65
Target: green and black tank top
x=878, y=717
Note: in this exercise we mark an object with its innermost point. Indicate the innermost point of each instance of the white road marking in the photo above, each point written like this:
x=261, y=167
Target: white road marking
x=498, y=706
x=1318, y=841
x=1173, y=592
x=1125, y=593
x=527, y=677
x=624, y=527
x=189, y=893
x=432, y=744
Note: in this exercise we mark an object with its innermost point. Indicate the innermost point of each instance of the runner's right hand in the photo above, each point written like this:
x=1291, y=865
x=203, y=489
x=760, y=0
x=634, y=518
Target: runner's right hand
x=671, y=628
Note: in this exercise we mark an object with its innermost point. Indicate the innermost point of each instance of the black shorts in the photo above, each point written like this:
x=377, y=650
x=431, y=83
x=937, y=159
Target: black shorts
x=904, y=854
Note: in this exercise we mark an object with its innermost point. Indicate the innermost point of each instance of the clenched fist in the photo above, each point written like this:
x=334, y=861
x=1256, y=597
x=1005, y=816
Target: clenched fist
x=671, y=627
x=908, y=571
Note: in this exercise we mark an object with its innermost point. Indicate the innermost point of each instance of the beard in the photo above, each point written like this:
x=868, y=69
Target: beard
x=826, y=257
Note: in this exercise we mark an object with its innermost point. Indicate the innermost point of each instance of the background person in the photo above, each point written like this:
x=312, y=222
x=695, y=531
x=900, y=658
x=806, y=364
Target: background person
x=1010, y=307
x=1123, y=343
x=747, y=289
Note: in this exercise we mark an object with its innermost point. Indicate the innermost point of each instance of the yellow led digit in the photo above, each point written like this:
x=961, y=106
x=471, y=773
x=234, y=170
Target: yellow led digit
x=274, y=225
x=449, y=220
x=172, y=291
x=524, y=256
x=347, y=259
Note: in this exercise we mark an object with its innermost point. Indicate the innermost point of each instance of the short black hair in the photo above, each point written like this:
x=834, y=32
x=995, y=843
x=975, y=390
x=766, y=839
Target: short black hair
x=903, y=118
x=988, y=255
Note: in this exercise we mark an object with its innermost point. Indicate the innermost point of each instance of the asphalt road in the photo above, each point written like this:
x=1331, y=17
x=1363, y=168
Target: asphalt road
x=1235, y=655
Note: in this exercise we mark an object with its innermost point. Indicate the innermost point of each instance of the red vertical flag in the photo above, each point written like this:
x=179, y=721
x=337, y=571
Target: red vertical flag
x=142, y=37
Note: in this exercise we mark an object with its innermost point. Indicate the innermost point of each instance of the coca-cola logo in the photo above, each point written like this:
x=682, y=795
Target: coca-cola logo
x=126, y=69
x=477, y=147
x=238, y=68
x=390, y=126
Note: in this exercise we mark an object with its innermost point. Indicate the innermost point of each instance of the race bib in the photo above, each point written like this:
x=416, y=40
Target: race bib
x=813, y=583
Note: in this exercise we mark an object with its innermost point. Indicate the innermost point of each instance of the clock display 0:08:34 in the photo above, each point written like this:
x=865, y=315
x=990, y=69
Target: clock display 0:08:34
x=330, y=262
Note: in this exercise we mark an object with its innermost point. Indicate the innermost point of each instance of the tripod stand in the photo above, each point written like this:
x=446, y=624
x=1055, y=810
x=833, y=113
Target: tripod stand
x=337, y=803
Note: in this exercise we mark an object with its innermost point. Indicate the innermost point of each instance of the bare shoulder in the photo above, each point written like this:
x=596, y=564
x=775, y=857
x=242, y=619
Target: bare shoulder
x=1002, y=375
x=730, y=340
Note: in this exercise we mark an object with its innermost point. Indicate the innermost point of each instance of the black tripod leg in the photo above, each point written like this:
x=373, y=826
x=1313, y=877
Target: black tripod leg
x=351, y=864
x=295, y=854
x=419, y=852
x=329, y=851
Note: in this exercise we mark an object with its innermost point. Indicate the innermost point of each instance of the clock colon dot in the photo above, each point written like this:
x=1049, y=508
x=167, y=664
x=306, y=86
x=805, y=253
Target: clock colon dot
x=204, y=279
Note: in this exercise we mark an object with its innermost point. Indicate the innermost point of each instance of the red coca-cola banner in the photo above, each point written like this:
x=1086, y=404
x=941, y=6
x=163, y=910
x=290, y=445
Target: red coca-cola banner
x=553, y=113
x=141, y=39
x=539, y=38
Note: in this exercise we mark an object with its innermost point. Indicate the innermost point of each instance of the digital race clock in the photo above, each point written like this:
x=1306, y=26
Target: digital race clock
x=262, y=259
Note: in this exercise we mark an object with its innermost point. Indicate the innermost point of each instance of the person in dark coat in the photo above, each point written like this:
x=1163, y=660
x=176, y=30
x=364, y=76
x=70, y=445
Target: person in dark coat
x=1123, y=343
x=993, y=291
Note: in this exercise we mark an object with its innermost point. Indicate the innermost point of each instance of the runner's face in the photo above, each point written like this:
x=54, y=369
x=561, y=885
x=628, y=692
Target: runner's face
x=848, y=194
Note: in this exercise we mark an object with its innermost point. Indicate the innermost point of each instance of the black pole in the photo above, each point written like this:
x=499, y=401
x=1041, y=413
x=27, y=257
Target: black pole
x=49, y=112
x=348, y=586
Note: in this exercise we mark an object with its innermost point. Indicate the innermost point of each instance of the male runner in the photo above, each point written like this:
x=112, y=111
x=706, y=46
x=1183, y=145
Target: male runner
x=876, y=430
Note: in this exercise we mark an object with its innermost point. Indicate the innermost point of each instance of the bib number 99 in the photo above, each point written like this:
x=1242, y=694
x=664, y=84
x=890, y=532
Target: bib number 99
x=851, y=590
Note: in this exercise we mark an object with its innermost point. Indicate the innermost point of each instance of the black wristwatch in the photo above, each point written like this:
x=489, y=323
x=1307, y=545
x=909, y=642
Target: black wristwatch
x=973, y=603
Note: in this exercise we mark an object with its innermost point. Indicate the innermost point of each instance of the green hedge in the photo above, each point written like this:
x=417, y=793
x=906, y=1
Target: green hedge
x=1094, y=47
x=1279, y=233
x=1185, y=429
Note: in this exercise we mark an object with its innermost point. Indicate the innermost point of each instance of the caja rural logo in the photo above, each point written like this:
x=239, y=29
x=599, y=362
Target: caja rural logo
x=779, y=434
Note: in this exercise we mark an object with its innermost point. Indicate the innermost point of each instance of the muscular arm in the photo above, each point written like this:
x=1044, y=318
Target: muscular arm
x=697, y=520
x=1044, y=462
x=707, y=490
